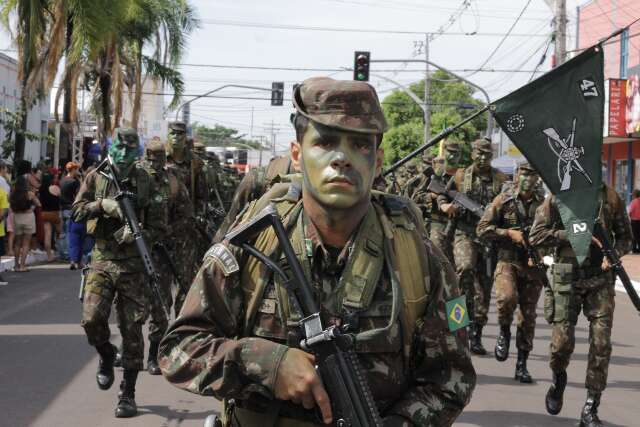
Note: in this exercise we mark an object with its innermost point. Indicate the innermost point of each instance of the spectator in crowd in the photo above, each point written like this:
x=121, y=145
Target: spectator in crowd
x=51, y=218
x=634, y=215
x=23, y=201
x=4, y=212
x=76, y=232
x=5, y=179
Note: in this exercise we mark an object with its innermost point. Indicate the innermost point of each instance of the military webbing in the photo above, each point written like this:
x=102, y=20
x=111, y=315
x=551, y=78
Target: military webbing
x=467, y=184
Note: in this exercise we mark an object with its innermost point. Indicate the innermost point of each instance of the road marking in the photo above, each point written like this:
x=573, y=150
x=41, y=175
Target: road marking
x=48, y=329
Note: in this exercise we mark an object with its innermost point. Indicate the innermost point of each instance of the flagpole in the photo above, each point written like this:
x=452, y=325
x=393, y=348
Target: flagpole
x=433, y=141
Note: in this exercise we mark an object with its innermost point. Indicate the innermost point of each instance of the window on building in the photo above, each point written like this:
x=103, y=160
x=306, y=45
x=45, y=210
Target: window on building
x=624, y=53
x=622, y=181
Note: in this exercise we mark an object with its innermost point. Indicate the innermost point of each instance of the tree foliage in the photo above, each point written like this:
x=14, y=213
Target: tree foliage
x=222, y=136
x=450, y=101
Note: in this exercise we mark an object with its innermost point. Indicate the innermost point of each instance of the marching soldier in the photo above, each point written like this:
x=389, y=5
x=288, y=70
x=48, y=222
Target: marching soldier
x=170, y=204
x=517, y=279
x=473, y=260
x=231, y=338
x=116, y=268
x=588, y=288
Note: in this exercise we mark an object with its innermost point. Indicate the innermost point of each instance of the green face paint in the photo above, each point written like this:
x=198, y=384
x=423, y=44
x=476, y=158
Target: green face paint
x=438, y=167
x=124, y=150
x=338, y=167
x=451, y=159
x=527, y=182
x=177, y=141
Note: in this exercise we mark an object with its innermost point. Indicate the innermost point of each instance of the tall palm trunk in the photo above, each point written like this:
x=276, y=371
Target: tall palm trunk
x=20, y=134
x=67, y=102
x=137, y=99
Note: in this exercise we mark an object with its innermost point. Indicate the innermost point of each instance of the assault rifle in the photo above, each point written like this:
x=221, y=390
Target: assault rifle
x=616, y=264
x=457, y=198
x=161, y=250
x=337, y=363
x=125, y=201
x=532, y=254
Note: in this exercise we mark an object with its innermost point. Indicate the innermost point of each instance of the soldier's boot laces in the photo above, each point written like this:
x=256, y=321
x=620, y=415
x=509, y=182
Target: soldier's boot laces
x=105, y=375
x=152, y=361
x=553, y=400
x=118, y=362
x=476, y=340
x=127, y=407
x=522, y=373
x=589, y=416
x=502, y=344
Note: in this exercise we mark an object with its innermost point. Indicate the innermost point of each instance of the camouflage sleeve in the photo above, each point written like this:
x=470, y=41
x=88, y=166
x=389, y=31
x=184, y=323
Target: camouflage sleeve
x=241, y=198
x=544, y=232
x=488, y=225
x=200, y=353
x=444, y=375
x=85, y=205
x=621, y=227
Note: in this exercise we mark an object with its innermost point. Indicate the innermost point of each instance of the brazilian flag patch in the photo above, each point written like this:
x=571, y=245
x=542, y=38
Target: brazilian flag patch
x=457, y=315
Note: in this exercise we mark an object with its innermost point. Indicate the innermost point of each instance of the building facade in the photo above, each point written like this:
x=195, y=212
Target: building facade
x=598, y=19
x=37, y=117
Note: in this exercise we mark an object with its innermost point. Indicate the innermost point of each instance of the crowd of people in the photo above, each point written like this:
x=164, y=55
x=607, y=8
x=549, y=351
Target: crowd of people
x=35, y=203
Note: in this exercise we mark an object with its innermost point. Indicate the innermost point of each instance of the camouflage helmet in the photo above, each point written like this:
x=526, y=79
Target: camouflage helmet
x=525, y=167
x=342, y=104
x=155, y=147
x=452, y=146
x=199, y=147
x=427, y=157
x=482, y=145
x=178, y=126
x=127, y=135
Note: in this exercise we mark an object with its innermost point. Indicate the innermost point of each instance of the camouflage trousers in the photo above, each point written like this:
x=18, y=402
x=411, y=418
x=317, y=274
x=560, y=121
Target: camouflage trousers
x=596, y=298
x=439, y=239
x=473, y=275
x=128, y=289
x=517, y=287
x=187, y=251
x=158, y=322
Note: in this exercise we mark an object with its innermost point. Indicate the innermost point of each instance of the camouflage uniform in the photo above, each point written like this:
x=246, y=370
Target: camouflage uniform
x=170, y=204
x=189, y=242
x=235, y=326
x=116, y=269
x=516, y=282
x=583, y=287
x=254, y=184
x=473, y=259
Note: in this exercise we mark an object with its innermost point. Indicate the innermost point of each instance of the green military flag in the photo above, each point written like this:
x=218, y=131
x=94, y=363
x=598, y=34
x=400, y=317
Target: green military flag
x=556, y=121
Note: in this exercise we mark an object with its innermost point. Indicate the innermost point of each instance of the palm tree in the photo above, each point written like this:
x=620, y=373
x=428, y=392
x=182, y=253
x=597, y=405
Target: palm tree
x=30, y=18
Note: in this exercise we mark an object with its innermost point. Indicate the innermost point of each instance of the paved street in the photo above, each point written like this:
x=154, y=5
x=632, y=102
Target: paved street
x=47, y=370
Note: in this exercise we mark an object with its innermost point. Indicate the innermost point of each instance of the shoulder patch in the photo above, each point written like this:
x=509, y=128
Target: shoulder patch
x=223, y=258
x=457, y=313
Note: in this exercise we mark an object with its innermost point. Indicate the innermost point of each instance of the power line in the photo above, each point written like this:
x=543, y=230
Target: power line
x=504, y=38
x=331, y=70
x=337, y=29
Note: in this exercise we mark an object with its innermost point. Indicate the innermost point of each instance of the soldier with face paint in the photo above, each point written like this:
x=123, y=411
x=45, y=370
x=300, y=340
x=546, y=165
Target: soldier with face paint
x=188, y=242
x=482, y=184
x=169, y=204
x=517, y=281
x=116, y=268
x=235, y=337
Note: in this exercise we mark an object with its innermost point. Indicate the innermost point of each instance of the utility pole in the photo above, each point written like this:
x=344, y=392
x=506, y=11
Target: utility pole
x=427, y=111
x=271, y=127
x=251, y=128
x=560, y=20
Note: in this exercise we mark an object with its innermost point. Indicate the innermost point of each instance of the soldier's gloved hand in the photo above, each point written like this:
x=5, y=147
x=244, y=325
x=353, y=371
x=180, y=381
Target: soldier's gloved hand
x=396, y=421
x=606, y=265
x=298, y=381
x=449, y=209
x=127, y=236
x=111, y=208
x=516, y=237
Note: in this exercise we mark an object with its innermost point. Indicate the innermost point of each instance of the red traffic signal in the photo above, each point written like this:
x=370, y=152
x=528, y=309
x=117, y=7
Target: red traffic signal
x=361, y=66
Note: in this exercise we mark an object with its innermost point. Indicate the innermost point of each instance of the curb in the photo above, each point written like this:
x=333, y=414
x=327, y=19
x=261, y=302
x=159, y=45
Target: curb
x=33, y=258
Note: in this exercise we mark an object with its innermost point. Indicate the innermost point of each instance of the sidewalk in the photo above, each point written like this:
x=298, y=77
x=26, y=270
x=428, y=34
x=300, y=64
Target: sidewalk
x=34, y=257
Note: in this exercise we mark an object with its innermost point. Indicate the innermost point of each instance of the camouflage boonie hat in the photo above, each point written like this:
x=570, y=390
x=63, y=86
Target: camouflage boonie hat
x=199, y=146
x=179, y=126
x=343, y=104
x=452, y=146
x=482, y=145
x=154, y=146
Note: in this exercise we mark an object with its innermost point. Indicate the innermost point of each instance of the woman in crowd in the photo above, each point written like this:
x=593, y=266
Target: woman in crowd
x=23, y=202
x=51, y=217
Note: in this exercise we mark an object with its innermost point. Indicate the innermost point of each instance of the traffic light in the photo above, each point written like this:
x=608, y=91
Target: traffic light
x=361, y=66
x=277, y=93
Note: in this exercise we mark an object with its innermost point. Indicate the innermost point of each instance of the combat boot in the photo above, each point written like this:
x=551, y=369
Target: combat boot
x=152, y=360
x=476, y=340
x=522, y=373
x=127, y=407
x=553, y=400
x=502, y=344
x=589, y=416
x=105, y=376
